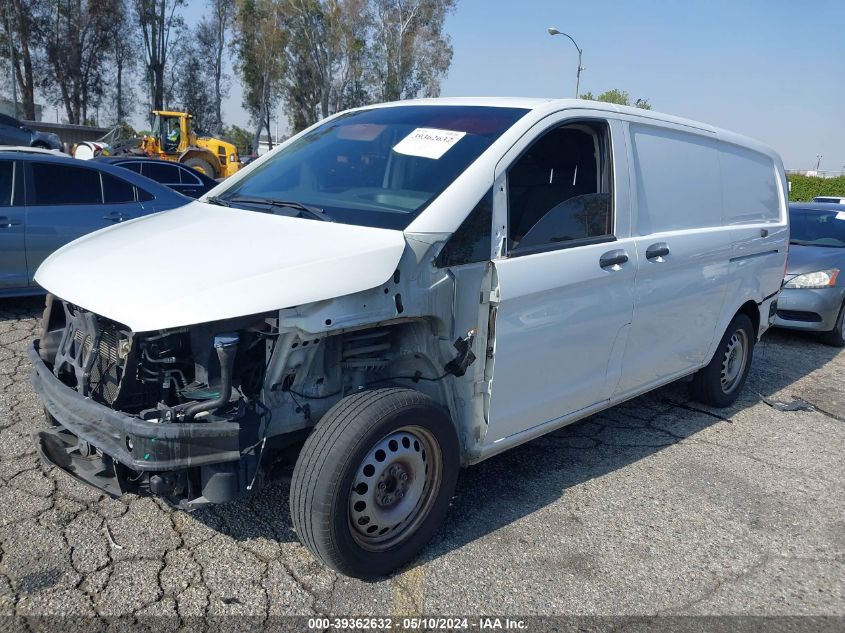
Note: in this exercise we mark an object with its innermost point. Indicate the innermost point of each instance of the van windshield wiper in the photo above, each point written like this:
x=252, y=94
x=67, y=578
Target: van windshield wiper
x=315, y=212
x=218, y=200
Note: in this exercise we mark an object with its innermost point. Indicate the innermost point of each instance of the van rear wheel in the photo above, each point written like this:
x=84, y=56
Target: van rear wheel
x=719, y=383
x=374, y=480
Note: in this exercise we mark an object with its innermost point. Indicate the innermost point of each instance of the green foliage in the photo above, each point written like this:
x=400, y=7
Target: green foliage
x=805, y=188
x=260, y=43
x=330, y=55
x=193, y=86
x=617, y=96
x=240, y=137
x=614, y=95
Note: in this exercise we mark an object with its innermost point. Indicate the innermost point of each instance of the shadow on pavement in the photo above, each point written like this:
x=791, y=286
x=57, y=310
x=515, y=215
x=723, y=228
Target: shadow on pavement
x=16, y=308
x=505, y=488
x=508, y=487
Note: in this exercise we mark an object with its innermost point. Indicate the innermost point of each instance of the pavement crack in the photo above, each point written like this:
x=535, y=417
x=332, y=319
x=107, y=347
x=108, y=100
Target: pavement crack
x=720, y=582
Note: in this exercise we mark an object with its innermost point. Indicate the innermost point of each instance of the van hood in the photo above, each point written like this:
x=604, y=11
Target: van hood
x=204, y=262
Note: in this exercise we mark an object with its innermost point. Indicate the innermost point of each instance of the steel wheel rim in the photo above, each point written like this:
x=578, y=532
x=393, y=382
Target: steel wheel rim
x=734, y=361
x=394, y=488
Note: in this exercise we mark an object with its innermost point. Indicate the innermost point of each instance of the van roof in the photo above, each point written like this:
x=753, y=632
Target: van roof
x=543, y=107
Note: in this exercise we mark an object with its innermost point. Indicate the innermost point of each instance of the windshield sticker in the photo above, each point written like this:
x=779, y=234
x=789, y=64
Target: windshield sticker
x=428, y=142
x=840, y=215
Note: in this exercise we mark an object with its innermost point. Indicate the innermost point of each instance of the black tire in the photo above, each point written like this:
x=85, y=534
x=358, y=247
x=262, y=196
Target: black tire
x=333, y=460
x=835, y=337
x=707, y=384
x=201, y=165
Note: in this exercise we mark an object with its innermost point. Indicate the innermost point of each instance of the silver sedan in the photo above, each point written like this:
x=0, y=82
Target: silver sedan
x=814, y=286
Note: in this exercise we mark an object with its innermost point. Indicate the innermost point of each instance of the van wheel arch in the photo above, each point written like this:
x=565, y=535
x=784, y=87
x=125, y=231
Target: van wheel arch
x=718, y=383
x=752, y=311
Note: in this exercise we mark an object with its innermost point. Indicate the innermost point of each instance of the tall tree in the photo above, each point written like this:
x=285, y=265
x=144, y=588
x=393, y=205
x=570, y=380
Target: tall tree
x=309, y=54
x=260, y=41
x=213, y=32
x=355, y=27
x=76, y=51
x=159, y=21
x=21, y=30
x=326, y=57
x=411, y=51
x=193, y=84
x=123, y=48
x=344, y=53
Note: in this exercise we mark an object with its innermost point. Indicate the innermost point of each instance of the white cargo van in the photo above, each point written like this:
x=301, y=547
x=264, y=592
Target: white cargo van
x=402, y=290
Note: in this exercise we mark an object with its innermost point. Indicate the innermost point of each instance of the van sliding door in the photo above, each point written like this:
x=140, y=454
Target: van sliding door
x=683, y=253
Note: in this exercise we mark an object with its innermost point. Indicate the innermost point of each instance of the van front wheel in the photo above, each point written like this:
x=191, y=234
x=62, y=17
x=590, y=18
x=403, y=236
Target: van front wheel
x=374, y=480
x=719, y=383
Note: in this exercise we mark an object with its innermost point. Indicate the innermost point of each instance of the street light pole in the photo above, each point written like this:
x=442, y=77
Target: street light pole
x=554, y=31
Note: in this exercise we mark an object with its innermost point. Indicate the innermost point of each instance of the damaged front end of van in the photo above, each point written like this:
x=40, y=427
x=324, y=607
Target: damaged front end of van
x=146, y=396
x=192, y=386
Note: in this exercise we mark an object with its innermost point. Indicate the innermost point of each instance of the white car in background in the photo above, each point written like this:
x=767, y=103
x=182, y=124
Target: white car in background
x=829, y=199
x=402, y=290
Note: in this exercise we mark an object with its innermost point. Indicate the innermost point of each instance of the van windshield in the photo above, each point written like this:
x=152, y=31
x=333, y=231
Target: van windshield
x=379, y=167
x=813, y=227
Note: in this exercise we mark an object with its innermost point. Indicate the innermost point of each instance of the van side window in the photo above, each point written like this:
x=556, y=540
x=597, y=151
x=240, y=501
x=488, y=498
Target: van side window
x=677, y=176
x=559, y=190
x=471, y=242
x=749, y=184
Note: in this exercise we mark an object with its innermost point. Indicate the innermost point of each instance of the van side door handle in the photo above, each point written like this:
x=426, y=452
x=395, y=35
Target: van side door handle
x=115, y=216
x=613, y=259
x=7, y=223
x=657, y=251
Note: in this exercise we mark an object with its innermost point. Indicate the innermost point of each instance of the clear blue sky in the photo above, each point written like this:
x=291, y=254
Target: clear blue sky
x=771, y=69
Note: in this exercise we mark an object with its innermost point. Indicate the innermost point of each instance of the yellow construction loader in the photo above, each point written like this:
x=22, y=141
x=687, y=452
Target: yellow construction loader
x=173, y=139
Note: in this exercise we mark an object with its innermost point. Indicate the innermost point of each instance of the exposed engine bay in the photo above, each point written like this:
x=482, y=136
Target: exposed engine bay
x=168, y=376
x=199, y=414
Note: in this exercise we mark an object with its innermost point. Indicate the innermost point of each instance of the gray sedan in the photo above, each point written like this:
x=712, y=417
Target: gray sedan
x=814, y=285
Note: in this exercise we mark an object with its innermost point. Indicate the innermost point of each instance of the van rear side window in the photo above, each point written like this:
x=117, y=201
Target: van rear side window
x=678, y=183
x=749, y=187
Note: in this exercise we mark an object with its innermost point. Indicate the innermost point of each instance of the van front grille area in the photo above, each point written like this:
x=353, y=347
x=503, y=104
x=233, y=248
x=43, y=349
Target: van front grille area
x=92, y=355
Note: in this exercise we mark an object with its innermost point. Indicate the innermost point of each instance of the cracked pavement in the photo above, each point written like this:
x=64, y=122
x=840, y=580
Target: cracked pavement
x=658, y=506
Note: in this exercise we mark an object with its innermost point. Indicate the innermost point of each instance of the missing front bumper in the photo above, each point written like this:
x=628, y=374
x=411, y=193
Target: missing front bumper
x=189, y=464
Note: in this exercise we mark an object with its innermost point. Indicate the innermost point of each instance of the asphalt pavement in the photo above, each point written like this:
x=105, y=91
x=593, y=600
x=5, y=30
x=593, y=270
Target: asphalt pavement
x=660, y=506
